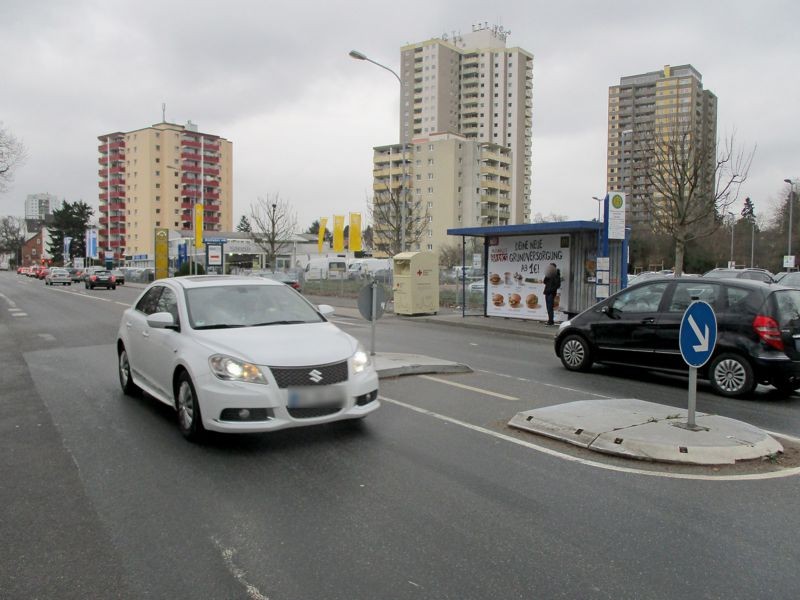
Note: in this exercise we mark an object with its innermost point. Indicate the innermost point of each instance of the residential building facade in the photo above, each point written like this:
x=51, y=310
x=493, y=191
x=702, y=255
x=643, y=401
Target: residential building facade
x=649, y=106
x=453, y=181
x=474, y=86
x=159, y=176
x=38, y=207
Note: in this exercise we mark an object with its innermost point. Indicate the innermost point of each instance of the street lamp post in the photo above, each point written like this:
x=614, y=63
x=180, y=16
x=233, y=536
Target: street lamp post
x=791, y=202
x=403, y=204
x=733, y=228
x=599, y=222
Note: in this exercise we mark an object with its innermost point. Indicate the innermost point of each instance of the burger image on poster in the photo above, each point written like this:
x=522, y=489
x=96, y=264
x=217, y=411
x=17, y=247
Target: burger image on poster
x=532, y=301
x=498, y=299
x=514, y=300
x=494, y=279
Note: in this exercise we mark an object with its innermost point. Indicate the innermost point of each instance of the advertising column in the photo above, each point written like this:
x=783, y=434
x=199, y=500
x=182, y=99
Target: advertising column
x=516, y=270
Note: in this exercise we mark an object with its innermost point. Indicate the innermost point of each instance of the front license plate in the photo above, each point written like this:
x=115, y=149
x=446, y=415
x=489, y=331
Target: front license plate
x=306, y=397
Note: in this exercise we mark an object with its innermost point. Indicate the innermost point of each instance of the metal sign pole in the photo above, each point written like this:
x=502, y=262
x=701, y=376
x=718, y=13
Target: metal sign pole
x=373, y=287
x=690, y=423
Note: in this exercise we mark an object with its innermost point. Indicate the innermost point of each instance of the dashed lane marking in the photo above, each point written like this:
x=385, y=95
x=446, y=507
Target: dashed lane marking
x=469, y=387
x=544, y=383
x=591, y=463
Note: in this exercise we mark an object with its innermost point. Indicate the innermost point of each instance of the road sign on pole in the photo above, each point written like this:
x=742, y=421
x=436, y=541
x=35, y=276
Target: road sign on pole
x=697, y=339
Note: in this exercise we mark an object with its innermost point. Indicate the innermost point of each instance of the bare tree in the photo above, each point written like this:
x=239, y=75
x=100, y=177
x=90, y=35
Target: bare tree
x=12, y=155
x=273, y=225
x=691, y=181
x=551, y=218
x=12, y=237
x=386, y=212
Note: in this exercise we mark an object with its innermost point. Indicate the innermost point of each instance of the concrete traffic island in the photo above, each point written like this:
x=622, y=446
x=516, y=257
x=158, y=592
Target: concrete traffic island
x=395, y=364
x=642, y=430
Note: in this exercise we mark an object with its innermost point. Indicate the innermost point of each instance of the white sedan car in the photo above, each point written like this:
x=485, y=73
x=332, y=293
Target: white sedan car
x=242, y=354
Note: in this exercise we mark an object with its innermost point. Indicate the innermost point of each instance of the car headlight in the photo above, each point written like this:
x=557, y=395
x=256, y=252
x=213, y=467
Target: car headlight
x=361, y=360
x=232, y=369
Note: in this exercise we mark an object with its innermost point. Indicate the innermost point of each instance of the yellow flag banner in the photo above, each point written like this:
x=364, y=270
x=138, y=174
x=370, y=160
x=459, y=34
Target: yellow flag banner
x=198, y=225
x=355, y=232
x=338, y=233
x=323, y=224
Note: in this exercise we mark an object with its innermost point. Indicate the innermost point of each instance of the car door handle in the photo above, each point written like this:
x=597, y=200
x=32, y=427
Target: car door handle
x=128, y=324
x=145, y=334
x=648, y=321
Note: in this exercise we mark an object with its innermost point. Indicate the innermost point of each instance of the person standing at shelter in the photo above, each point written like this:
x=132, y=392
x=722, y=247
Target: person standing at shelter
x=552, y=281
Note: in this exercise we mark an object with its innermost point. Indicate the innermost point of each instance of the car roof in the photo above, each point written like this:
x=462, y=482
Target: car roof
x=747, y=283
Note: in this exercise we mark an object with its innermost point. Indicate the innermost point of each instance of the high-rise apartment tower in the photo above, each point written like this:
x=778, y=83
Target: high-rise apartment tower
x=643, y=107
x=473, y=85
x=157, y=177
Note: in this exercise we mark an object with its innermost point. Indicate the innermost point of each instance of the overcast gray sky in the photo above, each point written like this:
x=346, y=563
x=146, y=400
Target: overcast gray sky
x=276, y=80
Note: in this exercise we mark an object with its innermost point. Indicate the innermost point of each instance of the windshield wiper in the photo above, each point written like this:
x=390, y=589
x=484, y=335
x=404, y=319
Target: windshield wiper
x=278, y=323
x=218, y=326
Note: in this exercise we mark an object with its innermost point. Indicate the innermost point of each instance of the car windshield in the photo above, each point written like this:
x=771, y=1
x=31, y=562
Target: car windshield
x=223, y=306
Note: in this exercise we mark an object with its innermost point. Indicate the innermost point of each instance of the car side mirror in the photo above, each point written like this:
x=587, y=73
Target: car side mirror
x=162, y=320
x=326, y=310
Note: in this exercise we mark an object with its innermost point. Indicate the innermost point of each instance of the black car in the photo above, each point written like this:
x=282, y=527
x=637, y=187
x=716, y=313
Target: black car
x=758, y=332
x=100, y=279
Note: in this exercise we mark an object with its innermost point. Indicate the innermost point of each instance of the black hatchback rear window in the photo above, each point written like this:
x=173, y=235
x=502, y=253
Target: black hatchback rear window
x=786, y=304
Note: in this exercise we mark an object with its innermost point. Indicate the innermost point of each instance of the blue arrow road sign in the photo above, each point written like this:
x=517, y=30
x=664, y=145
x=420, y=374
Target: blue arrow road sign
x=698, y=334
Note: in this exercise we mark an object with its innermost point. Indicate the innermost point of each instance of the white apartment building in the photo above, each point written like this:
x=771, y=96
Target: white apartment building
x=37, y=206
x=453, y=181
x=476, y=86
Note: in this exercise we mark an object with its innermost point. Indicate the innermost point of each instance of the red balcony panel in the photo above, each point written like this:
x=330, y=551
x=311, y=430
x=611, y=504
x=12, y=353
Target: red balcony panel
x=190, y=156
x=212, y=195
x=212, y=159
x=212, y=171
x=191, y=180
x=210, y=219
x=212, y=147
x=187, y=205
x=190, y=143
x=118, y=231
x=190, y=168
x=212, y=183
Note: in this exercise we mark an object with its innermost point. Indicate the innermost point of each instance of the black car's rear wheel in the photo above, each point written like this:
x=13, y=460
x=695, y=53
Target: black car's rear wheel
x=575, y=353
x=731, y=375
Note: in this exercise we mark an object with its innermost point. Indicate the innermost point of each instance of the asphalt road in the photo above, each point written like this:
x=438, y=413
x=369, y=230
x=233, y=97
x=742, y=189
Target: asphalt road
x=103, y=498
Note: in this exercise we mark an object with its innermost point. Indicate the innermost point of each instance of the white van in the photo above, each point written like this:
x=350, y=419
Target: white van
x=361, y=267
x=326, y=268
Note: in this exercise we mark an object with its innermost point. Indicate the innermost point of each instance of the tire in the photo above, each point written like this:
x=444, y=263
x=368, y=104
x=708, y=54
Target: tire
x=113, y=287
x=190, y=421
x=129, y=388
x=575, y=353
x=91, y=287
x=731, y=375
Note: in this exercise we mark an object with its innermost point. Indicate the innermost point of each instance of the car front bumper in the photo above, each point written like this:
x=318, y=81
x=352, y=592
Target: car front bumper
x=216, y=396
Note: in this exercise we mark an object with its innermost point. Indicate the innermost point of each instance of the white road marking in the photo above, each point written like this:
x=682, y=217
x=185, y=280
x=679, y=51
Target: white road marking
x=544, y=383
x=83, y=295
x=591, y=463
x=19, y=314
x=468, y=387
x=47, y=337
x=349, y=323
x=238, y=573
x=14, y=310
x=122, y=303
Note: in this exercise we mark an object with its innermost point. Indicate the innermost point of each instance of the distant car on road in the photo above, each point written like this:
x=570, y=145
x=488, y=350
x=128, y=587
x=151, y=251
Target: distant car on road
x=119, y=275
x=758, y=328
x=286, y=278
x=57, y=276
x=102, y=279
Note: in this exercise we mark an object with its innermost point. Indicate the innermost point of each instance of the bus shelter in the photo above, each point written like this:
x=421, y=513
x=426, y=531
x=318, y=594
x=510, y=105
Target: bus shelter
x=515, y=258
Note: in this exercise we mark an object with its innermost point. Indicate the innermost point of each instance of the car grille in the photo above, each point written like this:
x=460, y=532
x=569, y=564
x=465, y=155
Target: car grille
x=311, y=375
x=311, y=412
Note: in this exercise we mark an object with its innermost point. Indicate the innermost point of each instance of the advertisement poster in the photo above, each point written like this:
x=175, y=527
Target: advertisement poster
x=515, y=276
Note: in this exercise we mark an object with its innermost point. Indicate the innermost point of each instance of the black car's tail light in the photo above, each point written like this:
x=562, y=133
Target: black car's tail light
x=768, y=330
